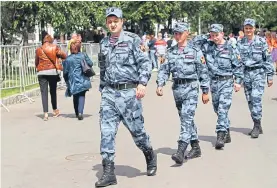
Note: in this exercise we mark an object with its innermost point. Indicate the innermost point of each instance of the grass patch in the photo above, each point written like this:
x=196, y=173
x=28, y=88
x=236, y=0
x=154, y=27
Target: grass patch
x=13, y=91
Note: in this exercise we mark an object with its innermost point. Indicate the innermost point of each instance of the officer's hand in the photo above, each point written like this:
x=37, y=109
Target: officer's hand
x=159, y=91
x=140, y=91
x=205, y=98
x=269, y=83
x=237, y=87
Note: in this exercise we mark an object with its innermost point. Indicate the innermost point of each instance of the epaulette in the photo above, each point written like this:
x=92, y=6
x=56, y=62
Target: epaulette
x=195, y=48
x=102, y=41
x=262, y=39
x=132, y=35
x=171, y=48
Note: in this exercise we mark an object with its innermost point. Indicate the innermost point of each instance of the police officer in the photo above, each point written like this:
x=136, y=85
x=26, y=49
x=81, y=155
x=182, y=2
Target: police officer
x=223, y=63
x=124, y=74
x=187, y=65
x=255, y=56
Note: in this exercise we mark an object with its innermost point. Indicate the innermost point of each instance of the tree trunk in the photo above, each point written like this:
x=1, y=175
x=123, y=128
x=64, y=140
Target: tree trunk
x=3, y=36
x=25, y=37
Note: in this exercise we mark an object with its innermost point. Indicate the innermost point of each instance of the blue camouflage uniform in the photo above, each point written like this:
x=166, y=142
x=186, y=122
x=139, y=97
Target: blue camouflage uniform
x=200, y=41
x=258, y=65
x=125, y=66
x=223, y=63
x=187, y=67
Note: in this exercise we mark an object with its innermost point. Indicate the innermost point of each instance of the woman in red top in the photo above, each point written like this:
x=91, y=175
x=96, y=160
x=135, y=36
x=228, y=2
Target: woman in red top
x=268, y=40
x=274, y=48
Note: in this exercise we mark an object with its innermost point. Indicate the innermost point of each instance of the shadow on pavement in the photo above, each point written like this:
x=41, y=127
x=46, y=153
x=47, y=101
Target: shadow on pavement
x=244, y=131
x=74, y=116
x=211, y=139
x=41, y=116
x=120, y=170
x=166, y=151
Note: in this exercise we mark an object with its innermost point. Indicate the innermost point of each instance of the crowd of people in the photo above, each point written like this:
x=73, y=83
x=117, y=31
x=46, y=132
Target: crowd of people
x=210, y=62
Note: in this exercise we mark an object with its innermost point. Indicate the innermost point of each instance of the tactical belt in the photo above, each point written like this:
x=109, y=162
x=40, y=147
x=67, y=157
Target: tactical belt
x=123, y=86
x=183, y=81
x=222, y=77
x=252, y=68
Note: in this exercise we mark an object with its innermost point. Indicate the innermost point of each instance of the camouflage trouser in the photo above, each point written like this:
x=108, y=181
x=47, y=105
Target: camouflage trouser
x=254, y=83
x=222, y=91
x=117, y=105
x=186, y=98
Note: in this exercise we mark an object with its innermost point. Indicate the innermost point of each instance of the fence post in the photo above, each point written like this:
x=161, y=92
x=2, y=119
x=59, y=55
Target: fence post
x=1, y=69
x=22, y=76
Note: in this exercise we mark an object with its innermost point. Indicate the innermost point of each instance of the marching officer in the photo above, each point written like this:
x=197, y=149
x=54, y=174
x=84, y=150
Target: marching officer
x=187, y=65
x=124, y=74
x=258, y=64
x=223, y=64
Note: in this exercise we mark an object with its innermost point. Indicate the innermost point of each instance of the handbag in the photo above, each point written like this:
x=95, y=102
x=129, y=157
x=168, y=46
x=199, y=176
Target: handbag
x=87, y=70
x=58, y=73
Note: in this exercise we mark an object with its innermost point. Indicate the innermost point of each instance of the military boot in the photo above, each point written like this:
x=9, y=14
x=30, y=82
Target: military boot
x=195, y=150
x=108, y=177
x=220, y=140
x=178, y=157
x=151, y=161
x=260, y=128
x=227, y=138
x=257, y=129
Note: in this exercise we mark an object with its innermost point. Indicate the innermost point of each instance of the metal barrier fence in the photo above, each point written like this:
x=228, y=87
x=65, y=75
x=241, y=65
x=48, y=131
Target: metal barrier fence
x=18, y=71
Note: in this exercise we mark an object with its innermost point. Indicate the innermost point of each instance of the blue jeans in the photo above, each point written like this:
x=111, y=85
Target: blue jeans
x=79, y=102
x=153, y=58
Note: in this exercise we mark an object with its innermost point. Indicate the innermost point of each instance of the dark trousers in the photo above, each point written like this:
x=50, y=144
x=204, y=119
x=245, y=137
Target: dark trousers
x=79, y=102
x=44, y=80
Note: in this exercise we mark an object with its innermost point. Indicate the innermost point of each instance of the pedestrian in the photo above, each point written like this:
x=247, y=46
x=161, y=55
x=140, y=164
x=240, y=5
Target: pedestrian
x=77, y=83
x=232, y=40
x=274, y=48
x=124, y=74
x=187, y=65
x=255, y=56
x=48, y=72
x=152, y=52
x=223, y=64
x=74, y=36
x=268, y=40
x=241, y=35
x=160, y=46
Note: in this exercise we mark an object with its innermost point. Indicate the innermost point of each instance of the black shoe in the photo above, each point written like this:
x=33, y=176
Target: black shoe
x=195, y=150
x=220, y=140
x=108, y=177
x=151, y=161
x=80, y=116
x=260, y=128
x=227, y=138
x=178, y=157
x=257, y=129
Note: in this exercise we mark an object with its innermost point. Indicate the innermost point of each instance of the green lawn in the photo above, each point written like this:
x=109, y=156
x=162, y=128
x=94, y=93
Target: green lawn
x=13, y=91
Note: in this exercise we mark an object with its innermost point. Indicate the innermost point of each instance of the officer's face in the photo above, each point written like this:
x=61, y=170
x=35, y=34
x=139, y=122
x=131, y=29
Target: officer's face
x=249, y=30
x=181, y=37
x=217, y=37
x=114, y=24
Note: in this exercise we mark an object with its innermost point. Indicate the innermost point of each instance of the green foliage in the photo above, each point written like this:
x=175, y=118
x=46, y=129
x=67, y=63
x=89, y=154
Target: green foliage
x=20, y=17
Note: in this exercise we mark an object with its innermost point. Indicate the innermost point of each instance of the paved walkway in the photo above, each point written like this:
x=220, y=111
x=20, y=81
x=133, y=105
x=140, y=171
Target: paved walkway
x=64, y=152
